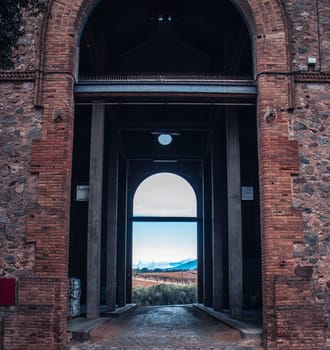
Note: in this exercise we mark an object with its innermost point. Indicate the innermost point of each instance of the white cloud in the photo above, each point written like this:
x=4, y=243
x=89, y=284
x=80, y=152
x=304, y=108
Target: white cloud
x=165, y=194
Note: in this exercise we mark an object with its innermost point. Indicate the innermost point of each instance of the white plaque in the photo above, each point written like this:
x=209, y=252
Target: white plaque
x=247, y=193
x=82, y=193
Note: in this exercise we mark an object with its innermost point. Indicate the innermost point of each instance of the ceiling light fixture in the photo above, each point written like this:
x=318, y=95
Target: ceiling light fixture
x=165, y=139
x=165, y=160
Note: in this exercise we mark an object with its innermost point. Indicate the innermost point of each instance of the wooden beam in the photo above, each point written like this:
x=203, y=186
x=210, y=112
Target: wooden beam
x=235, y=88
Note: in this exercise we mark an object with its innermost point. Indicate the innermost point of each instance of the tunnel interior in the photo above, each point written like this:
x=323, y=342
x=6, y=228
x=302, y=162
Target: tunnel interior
x=142, y=155
x=165, y=44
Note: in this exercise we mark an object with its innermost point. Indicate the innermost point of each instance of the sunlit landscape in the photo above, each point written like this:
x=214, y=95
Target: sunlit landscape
x=164, y=252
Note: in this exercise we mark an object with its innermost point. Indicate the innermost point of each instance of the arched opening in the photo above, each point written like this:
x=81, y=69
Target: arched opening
x=60, y=33
x=141, y=110
x=166, y=195
x=164, y=241
x=201, y=155
x=168, y=37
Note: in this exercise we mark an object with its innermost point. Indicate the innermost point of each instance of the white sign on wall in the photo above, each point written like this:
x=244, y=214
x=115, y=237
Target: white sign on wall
x=247, y=193
x=82, y=193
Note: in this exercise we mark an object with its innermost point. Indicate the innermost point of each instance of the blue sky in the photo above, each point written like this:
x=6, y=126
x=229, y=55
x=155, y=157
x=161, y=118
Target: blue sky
x=164, y=195
x=164, y=242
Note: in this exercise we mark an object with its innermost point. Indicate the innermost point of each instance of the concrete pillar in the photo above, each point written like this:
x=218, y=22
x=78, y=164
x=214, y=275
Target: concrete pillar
x=95, y=211
x=112, y=224
x=129, y=262
x=218, y=218
x=207, y=236
x=200, y=247
x=235, y=253
x=121, y=234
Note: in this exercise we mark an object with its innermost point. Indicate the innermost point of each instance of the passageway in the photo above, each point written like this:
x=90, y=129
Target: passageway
x=165, y=327
x=215, y=149
x=166, y=69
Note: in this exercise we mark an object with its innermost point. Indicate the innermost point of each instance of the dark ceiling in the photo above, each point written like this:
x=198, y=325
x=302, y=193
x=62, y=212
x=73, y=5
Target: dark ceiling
x=168, y=36
x=141, y=126
x=192, y=129
x=172, y=37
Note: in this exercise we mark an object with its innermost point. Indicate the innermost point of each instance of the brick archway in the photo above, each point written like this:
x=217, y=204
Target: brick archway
x=265, y=19
x=278, y=156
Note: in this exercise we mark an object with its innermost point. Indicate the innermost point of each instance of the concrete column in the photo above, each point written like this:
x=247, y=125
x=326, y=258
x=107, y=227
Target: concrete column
x=207, y=236
x=122, y=237
x=129, y=243
x=129, y=267
x=218, y=218
x=112, y=223
x=200, y=247
x=95, y=211
x=235, y=253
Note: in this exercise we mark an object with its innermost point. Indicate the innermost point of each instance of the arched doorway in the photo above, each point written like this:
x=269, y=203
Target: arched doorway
x=164, y=243
x=126, y=99
x=273, y=93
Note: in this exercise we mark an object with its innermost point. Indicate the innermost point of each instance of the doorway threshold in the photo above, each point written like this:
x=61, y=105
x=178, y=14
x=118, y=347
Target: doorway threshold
x=79, y=328
x=119, y=310
x=249, y=329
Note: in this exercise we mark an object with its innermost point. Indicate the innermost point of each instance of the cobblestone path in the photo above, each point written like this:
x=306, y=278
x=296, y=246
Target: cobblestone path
x=164, y=328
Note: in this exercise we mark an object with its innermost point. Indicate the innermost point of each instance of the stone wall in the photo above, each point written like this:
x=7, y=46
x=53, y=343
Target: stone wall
x=35, y=163
x=311, y=128
x=310, y=36
x=20, y=125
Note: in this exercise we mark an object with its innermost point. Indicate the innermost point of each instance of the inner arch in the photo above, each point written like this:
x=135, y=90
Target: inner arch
x=165, y=194
x=163, y=240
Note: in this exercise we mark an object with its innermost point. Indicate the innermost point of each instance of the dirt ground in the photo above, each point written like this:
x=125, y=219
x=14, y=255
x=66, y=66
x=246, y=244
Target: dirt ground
x=165, y=328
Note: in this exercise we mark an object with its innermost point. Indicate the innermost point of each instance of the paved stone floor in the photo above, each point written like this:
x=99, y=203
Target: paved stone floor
x=164, y=328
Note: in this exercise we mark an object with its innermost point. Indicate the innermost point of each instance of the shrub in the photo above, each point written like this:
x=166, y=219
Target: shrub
x=165, y=294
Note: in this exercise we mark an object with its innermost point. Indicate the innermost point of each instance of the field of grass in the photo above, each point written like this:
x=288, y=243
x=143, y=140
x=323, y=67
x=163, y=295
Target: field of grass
x=165, y=294
x=147, y=279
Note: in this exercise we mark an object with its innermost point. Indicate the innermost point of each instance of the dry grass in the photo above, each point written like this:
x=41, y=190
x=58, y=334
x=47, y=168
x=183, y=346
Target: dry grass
x=153, y=278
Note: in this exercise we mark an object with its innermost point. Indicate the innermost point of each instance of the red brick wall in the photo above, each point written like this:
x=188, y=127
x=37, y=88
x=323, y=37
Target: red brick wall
x=293, y=125
x=37, y=320
x=299, y=323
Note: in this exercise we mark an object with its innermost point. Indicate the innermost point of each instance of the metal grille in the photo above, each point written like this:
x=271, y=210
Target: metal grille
x=161, y=77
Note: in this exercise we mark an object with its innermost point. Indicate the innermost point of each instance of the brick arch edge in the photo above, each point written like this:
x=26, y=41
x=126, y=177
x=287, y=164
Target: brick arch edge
x=58, y=64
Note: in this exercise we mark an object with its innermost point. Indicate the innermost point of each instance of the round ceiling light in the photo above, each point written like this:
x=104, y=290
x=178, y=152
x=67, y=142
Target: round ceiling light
x=164, y=139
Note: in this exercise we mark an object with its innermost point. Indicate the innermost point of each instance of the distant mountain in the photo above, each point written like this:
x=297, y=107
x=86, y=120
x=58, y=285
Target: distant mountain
x=174, y=264
x=186, y=264
x=152, y=265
